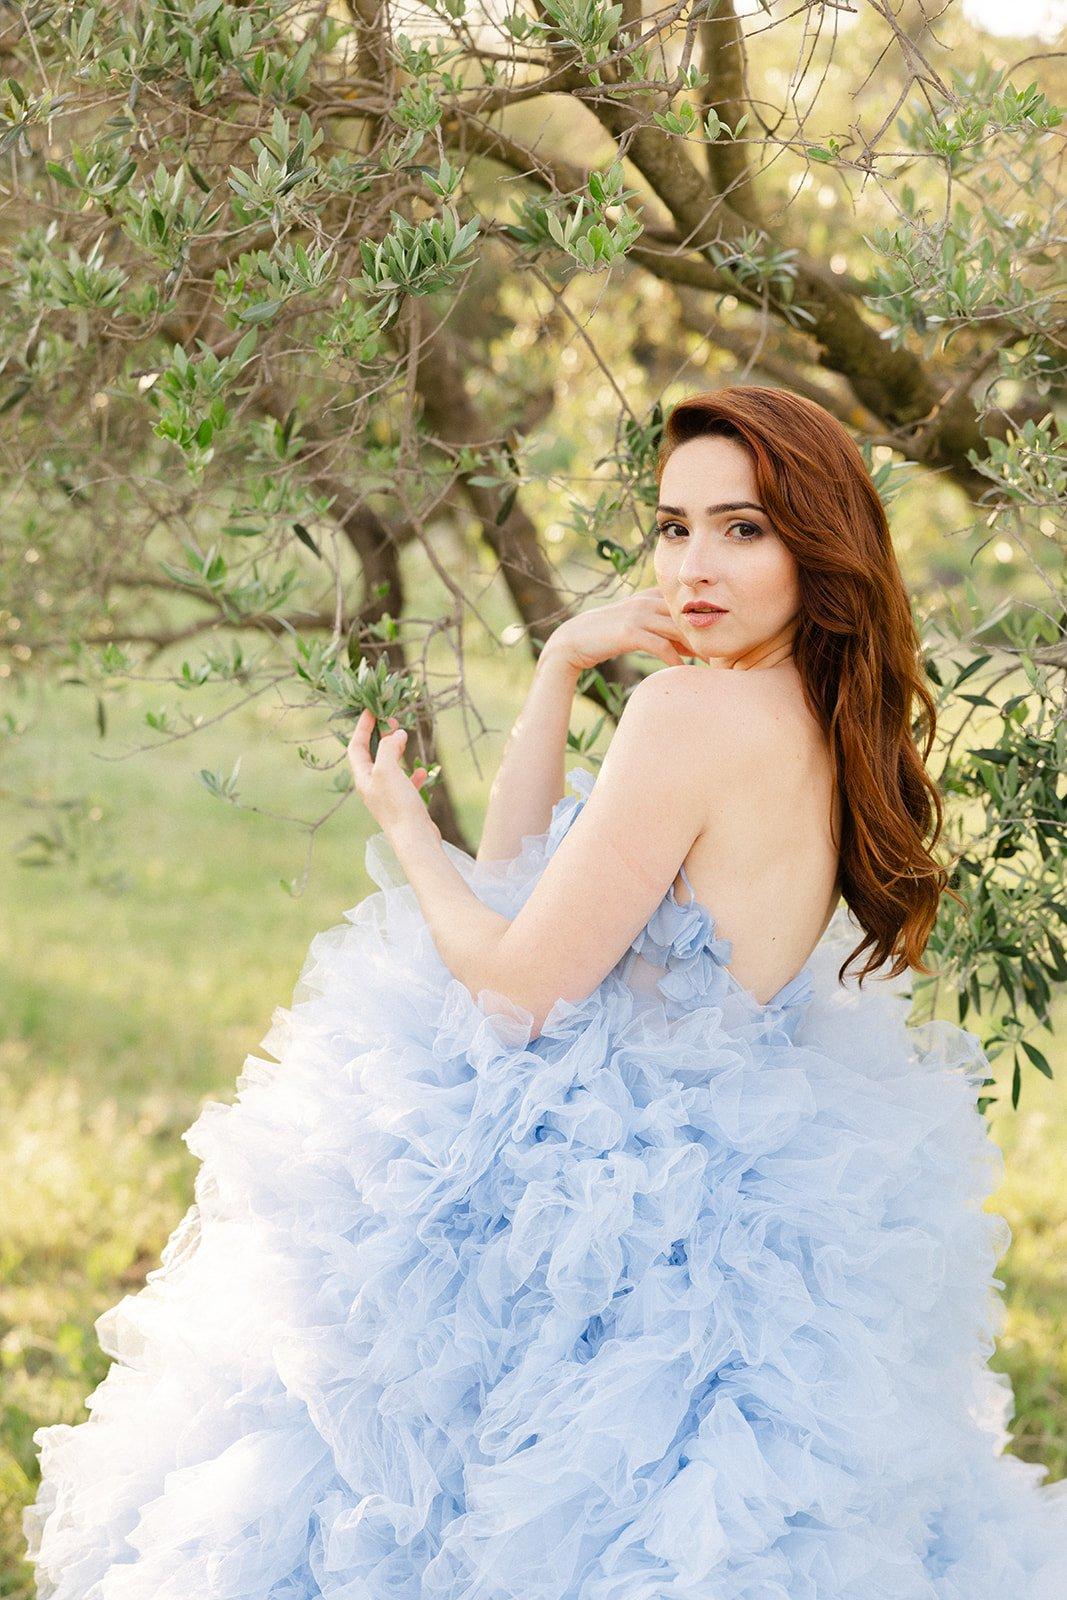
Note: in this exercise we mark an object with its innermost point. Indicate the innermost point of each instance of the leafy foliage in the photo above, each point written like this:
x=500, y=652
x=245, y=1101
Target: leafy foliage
x=294, y=300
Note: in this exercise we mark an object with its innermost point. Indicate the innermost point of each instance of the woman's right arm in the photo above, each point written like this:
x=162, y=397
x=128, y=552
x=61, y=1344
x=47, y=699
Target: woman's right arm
x=529, y=779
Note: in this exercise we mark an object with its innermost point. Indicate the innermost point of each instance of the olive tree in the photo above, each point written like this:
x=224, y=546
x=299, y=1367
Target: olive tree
x=261, y=264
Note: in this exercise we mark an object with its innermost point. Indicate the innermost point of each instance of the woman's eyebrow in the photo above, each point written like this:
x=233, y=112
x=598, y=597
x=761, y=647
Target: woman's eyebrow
x=713, y=511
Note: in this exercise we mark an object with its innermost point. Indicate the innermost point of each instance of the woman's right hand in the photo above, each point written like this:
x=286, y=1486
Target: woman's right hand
x=640, y=622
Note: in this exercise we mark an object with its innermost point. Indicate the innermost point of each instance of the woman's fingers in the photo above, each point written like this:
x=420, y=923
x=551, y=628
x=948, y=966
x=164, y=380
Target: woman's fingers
x=675, y=646
x=655, y=645
x=359, y=756
x=398, y=736
x=361, y=761
x=662, y=620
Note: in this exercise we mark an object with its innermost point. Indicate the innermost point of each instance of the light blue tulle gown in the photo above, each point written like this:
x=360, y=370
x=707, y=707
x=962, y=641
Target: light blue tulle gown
x=687, y=1298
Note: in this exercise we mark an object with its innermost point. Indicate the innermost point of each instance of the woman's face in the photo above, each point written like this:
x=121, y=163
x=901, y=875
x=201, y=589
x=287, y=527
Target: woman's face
x=716, y=546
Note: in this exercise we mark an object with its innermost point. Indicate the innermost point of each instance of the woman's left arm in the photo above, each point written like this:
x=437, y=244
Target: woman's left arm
x=603, y=881
x=467, y=932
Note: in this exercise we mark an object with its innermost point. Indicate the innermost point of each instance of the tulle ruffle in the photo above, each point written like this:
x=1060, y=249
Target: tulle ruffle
x=684, y=1298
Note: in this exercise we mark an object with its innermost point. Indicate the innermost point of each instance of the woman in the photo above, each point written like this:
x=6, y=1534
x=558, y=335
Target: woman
x=590, y=1243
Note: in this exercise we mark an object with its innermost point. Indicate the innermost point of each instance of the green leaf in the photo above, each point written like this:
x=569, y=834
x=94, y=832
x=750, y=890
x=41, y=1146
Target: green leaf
x=1040, y=1061
x=305, y=538
x=506, y=504
x=261, y=312
x=61, y=174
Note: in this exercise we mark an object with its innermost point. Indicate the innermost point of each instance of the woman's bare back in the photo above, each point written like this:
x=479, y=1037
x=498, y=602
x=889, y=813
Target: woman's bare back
x=766, y=866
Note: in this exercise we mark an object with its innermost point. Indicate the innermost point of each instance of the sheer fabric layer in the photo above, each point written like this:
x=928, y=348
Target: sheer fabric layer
x=688, y=1298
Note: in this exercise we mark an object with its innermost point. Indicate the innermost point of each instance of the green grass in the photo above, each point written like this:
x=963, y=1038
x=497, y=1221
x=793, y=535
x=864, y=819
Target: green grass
x=127, y=1004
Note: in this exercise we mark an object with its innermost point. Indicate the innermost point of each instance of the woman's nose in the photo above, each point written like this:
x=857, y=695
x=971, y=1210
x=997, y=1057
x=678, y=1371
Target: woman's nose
x=698, y=563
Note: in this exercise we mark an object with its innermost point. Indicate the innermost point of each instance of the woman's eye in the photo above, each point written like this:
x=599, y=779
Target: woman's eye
x=755, y=531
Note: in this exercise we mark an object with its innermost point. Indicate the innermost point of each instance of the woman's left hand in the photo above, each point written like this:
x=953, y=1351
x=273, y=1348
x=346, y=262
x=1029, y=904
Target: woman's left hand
x=391, y=797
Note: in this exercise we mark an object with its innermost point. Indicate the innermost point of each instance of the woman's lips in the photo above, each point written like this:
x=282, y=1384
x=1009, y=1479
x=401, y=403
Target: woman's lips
x=703, y=619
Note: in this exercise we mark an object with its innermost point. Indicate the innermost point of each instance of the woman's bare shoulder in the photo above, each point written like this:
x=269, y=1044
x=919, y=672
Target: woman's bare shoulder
x=754, y=707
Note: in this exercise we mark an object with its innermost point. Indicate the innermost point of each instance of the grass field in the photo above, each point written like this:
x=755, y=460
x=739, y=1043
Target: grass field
x=125, y=1004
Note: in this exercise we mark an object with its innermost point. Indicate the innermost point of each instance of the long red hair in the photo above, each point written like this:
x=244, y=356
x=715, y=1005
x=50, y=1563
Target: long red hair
x=858, y=653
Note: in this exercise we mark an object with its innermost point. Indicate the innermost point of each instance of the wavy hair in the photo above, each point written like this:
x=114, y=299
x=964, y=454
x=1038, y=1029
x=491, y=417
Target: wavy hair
x=858, y=653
